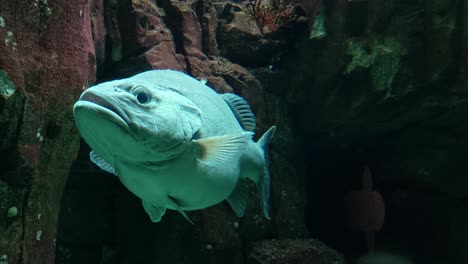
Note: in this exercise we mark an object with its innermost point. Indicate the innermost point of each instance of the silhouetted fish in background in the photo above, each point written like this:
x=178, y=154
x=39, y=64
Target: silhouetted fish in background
x=174, y=142
x=365, y=210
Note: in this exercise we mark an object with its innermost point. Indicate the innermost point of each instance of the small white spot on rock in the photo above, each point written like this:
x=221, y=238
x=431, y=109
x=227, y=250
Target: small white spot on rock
x=209, y=246
x=81, y=13
x=39, y=136
x=236, y=224
x=9, y=40
x=2, y=22
x=283, y=194
x=38, y=235
x=12, y=212
x=39, y=217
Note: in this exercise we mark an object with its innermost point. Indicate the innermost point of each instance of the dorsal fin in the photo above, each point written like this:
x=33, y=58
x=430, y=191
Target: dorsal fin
x=241, y=110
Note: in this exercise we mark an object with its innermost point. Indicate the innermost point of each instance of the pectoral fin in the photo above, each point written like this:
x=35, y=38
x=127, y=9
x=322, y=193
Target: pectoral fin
x=219, y=149
x=155, y=211
x=101, y=163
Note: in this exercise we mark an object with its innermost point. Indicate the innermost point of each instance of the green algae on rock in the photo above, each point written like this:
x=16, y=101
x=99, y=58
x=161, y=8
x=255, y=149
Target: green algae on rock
x=7, y=88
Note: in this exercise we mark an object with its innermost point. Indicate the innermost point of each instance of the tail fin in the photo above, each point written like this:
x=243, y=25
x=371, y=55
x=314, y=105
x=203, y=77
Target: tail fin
x=263, y=185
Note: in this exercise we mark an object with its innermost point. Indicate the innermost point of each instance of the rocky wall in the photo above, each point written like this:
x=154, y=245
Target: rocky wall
x=46, y=60
x=386, y=88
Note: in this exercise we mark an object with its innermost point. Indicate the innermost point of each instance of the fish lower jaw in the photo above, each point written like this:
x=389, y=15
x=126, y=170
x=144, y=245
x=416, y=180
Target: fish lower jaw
x=103, y=112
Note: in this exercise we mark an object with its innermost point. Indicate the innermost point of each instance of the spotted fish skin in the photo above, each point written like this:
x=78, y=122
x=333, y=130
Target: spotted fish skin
x=174, y=142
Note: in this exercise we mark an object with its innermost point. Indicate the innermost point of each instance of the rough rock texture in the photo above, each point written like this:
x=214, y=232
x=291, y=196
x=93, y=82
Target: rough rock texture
x=258, y=35
x=310, y=7
x=138, y=38
x=289, y=251
x=386, y=88
x=46, y=59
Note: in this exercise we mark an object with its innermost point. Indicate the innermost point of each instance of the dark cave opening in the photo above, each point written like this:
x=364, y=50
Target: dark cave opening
x=417, y=224
x=85, y=221
x=330, y=177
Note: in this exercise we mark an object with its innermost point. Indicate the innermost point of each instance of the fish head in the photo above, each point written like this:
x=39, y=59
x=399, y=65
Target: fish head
x=136, y=120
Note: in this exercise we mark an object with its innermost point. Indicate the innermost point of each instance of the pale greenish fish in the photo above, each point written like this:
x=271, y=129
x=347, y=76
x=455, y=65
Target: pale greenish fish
x=174, y=142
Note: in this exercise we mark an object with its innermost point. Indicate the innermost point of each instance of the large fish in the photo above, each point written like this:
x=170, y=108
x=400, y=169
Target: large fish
x=174, y=142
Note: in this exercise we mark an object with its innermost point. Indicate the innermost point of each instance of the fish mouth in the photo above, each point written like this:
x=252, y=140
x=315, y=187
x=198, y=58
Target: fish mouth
x=105, y=106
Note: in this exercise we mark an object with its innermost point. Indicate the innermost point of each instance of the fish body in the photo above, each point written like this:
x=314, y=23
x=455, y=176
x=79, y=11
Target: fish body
x=174, y=142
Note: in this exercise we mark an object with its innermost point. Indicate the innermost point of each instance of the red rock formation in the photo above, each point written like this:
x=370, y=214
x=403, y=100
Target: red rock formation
x=47, y=51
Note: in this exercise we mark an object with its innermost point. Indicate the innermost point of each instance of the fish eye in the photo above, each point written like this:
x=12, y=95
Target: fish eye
x=142, y=97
